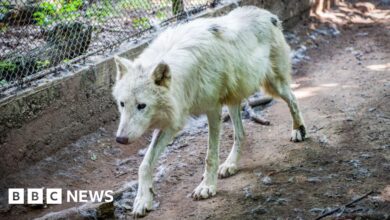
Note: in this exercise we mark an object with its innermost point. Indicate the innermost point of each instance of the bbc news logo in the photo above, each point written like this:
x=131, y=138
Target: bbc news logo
x=54, y=196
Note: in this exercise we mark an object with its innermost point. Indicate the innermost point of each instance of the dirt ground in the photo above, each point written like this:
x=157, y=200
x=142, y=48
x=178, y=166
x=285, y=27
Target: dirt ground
x=342, y=82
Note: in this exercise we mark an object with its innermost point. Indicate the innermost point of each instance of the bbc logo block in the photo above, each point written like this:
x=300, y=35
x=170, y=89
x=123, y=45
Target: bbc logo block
x=54, y=196
x=16, y=196
x=34, y=196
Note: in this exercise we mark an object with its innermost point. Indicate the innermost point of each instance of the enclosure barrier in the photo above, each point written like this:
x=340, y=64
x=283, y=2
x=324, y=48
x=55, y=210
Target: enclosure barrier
x=38, y=37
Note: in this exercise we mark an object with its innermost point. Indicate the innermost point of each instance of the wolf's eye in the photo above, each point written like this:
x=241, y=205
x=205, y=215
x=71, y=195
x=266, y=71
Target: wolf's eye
x=141, y=106
x=122, y=104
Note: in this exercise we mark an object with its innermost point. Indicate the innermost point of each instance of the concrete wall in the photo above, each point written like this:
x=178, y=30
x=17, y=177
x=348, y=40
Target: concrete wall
x=37, y=122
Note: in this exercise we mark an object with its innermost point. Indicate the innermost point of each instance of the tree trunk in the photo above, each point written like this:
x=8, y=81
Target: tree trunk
x=320, y=6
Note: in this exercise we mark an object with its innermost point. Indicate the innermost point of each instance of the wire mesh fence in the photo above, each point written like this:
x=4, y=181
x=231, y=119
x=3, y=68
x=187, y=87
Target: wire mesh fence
x=36, y=36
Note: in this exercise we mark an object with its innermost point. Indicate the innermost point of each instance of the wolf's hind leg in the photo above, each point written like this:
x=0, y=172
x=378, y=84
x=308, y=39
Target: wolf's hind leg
x=283, y=90
x=299, y=131
x=229, y=167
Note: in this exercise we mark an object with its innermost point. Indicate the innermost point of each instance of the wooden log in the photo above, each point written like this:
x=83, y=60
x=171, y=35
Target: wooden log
x=255, y=117
x=253, y=102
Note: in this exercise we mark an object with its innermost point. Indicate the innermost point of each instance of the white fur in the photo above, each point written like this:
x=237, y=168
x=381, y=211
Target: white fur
x=196, y=68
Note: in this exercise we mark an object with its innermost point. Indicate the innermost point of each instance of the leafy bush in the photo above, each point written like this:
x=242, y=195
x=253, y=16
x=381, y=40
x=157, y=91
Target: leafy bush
x=141, y=23
x=161, y=15
x=6, y=66
x=50, y=12
x=4, y=8
x=43, y=16
x=43, y=63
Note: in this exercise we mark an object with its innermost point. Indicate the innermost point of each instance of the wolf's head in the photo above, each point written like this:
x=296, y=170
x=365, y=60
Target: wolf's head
x=140, y=95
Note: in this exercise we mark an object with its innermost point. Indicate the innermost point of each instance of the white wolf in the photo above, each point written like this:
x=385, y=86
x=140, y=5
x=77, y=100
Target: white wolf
x=196, y=68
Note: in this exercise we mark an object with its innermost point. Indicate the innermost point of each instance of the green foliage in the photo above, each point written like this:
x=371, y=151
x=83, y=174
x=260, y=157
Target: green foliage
x=3, y=82
x=69, y=8
x=135, y=5
x=161, y=15
x=141, y=23
x=57, y=11
x=43, y=63
x=3, y=28
x=6, y=66
x=4, y=7
x=43, y=16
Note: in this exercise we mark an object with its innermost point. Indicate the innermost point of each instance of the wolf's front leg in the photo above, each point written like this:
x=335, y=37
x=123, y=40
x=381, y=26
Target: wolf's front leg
x=144, y=199
x=207, y=187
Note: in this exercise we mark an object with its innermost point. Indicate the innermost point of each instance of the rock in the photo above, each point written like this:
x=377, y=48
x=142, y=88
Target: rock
x=161, y=173
x=323, y=140
x=314, y=179
x=362, y=172
x=328, y=31
x=361, y=34
x=266, y=180
x=297, y=210
x=259, y=210
x=247, y=192
x=386, y=146
x=365, y=156
x=355, y=163
x=258, y=174
x=142, y=152
x=281, y=201
x=299, y=54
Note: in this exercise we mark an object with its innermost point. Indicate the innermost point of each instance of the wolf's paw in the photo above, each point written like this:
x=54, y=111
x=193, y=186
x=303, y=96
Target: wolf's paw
x=227, y=169
x=299, y=134
x=204, y=191
x=142, y=203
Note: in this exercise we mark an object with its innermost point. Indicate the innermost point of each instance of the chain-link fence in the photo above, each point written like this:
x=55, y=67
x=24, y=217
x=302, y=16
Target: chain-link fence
x=38, y=36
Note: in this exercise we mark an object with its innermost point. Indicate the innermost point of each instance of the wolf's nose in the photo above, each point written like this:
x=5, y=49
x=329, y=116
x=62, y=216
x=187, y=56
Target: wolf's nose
x=122, y=140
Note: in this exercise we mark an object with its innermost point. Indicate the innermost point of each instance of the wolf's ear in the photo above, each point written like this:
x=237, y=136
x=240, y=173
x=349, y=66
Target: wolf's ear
x=161, y=75
x=122, y=66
